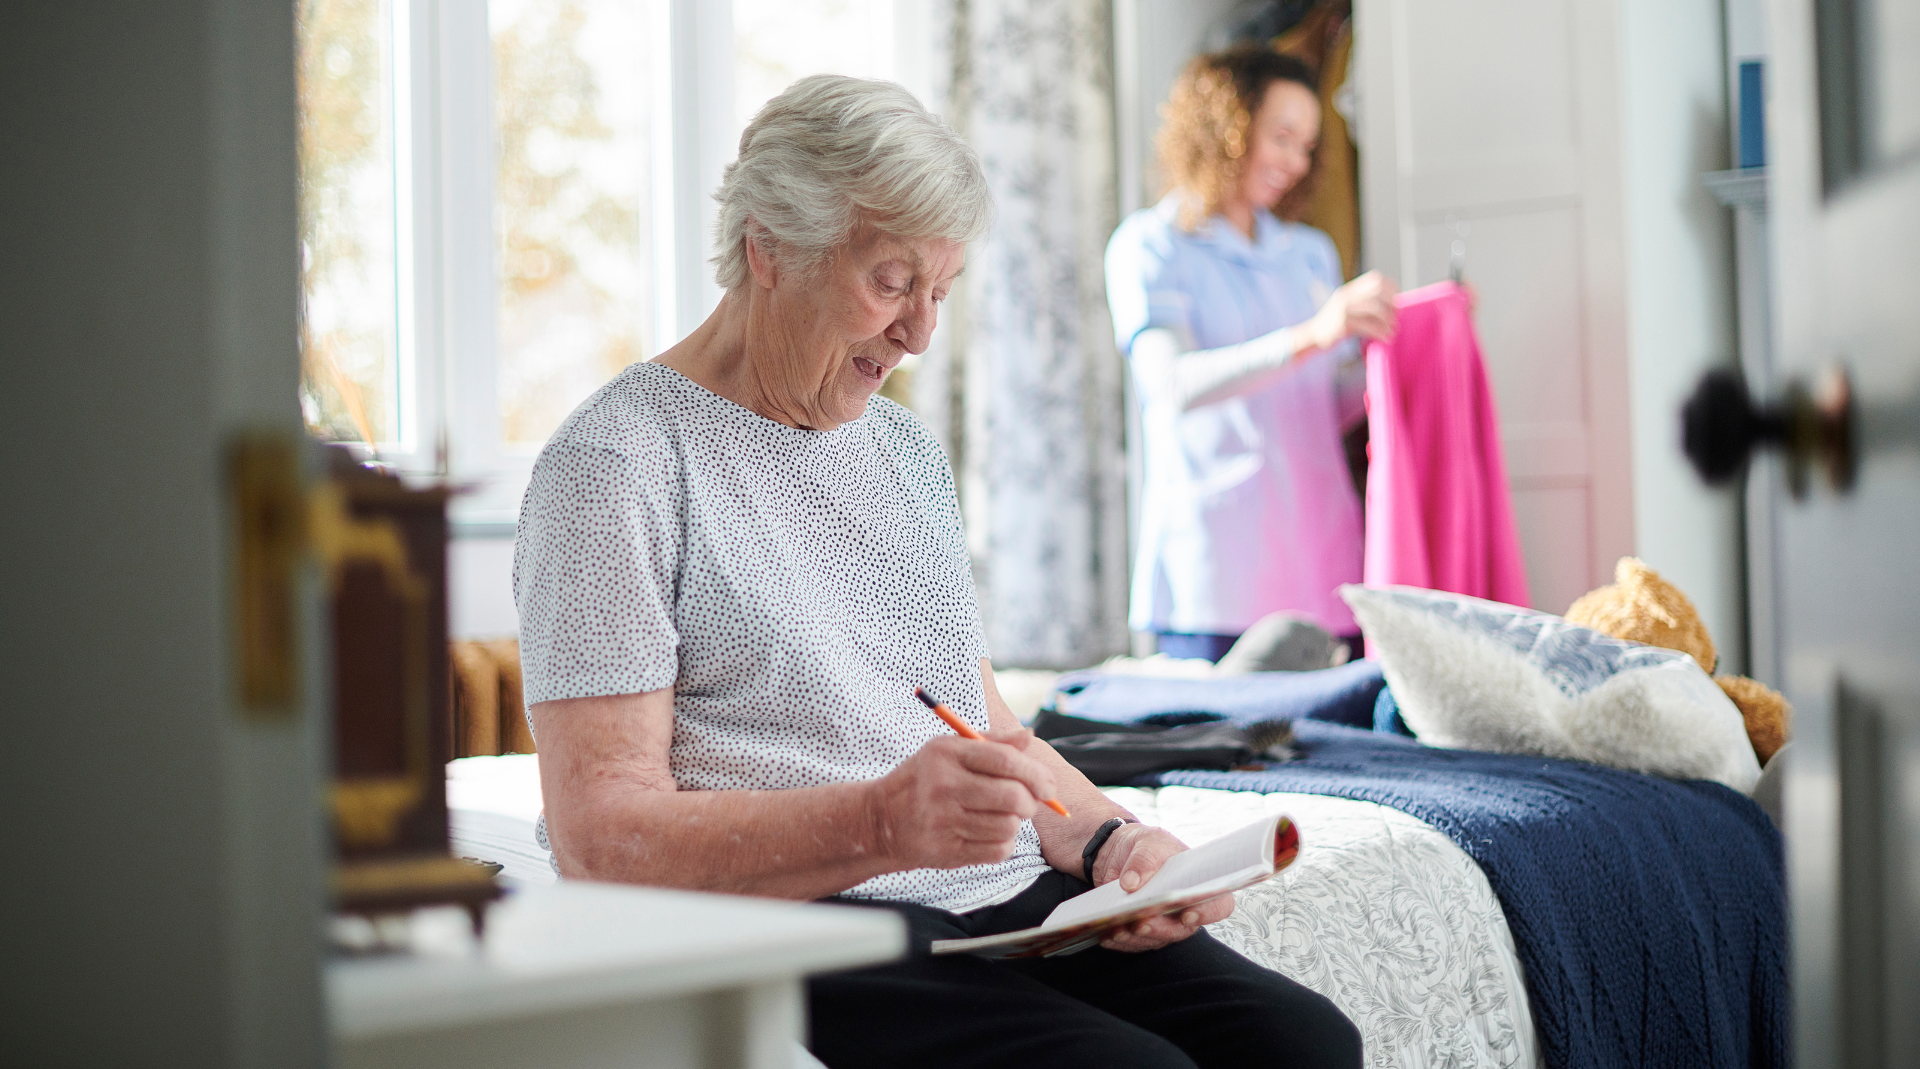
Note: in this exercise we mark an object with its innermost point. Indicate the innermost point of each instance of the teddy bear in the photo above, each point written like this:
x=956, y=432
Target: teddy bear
x=1640, y=606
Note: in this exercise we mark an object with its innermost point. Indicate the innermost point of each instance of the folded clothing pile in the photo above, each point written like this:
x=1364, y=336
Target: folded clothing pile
x=1342, y=695
x=1119, y=754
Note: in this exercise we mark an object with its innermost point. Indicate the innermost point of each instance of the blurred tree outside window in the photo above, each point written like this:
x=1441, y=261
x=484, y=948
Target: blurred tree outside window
x=349, y=368
x=778, y=42
x=571, y=185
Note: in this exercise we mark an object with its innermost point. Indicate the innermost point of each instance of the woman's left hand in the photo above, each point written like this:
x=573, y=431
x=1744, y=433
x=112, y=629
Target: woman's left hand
x=1132, y=855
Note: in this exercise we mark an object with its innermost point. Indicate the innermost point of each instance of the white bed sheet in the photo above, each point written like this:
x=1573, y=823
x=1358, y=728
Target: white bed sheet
x=1381, y=912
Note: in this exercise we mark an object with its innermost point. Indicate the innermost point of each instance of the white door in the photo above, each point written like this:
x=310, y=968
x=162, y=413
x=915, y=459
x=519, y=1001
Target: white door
x=1491, y=123
x=1844, y=163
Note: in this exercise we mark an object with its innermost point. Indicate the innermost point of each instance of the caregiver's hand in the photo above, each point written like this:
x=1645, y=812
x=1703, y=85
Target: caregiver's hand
x=1132, y=855
x=959, y=801
x=1363, y=307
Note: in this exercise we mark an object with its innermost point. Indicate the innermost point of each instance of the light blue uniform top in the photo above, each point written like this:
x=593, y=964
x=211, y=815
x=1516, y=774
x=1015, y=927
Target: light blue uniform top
x=1248, y=507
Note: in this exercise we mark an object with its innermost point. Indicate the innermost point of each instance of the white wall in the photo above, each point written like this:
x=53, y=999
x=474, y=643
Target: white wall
x=166, y=889
x=480, y=588
x=1680, y=311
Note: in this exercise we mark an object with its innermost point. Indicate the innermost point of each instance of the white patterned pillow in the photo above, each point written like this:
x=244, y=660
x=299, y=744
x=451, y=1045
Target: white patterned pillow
x=1479, y=675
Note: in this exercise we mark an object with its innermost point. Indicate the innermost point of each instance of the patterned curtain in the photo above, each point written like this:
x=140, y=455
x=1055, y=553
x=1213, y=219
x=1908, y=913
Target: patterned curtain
x=1027, y=389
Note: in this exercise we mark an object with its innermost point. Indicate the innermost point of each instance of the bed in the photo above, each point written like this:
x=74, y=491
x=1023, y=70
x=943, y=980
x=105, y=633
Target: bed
x=1381, y=912
x=1463, y=908
x=1647, y=914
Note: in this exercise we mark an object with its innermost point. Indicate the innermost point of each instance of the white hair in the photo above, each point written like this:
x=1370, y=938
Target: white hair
x=832, y=152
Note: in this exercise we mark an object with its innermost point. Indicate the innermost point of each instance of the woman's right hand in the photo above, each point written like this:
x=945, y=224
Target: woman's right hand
x=959, y=801
x=1363, y=307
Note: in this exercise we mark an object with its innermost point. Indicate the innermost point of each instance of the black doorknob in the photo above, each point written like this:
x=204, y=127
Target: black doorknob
x=1722, y=427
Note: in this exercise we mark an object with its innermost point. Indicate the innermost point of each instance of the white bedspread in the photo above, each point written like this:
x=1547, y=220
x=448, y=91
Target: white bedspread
x=492, y=804
x=1381, y=912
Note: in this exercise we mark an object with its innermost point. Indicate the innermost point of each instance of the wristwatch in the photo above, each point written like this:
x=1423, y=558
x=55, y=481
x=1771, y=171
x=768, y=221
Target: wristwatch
x=1099, y=839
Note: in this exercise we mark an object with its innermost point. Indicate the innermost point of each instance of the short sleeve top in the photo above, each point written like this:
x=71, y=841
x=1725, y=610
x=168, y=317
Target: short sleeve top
x=791, y=586
x=1215, y=286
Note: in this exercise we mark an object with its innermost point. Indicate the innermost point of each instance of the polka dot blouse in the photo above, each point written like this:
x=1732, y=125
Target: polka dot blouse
x=791, y=586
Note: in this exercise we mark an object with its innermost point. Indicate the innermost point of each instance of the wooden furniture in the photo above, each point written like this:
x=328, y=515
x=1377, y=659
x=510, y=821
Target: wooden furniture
x=599, y=975
x=489, y=706
x=384, y=548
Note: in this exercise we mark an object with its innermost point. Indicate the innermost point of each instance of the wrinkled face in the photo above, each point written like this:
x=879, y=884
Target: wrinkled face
x=1280, y=142
x=829, y=337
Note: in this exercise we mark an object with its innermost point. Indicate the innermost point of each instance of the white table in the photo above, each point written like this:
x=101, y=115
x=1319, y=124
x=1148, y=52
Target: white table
x=598, y=975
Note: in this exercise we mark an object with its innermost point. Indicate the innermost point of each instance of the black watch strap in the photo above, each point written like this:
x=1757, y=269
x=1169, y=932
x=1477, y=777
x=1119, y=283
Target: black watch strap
x=1099, y=839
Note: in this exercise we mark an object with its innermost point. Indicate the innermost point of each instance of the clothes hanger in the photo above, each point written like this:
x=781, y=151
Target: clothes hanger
x=1457, y=264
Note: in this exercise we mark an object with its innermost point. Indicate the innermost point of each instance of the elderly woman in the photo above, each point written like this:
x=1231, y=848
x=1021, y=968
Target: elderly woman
x=736, y=563
x=1237, y=323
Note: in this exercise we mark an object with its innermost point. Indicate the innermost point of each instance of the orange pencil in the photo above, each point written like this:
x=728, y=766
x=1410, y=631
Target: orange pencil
x=960, y=728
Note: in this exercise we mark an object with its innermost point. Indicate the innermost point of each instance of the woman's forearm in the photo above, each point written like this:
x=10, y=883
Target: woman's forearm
x=1061, y=838
x=1204, y=376
x=804, y=843
x=614, y=811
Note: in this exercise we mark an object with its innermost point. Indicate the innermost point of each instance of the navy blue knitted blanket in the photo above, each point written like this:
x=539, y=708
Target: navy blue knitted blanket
x=1649, y=914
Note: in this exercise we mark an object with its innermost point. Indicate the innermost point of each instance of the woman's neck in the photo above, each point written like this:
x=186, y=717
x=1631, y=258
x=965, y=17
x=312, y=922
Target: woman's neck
x=715, y=357
x=1239, y=212
x=715, y=354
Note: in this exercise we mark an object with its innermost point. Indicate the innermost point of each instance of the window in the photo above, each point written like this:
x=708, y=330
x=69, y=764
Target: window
x=350, y=386
x=571, y=192
x=776, y=42
x=503, y=203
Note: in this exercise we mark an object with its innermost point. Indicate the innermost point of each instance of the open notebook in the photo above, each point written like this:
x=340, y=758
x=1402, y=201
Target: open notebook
x=1238, y=859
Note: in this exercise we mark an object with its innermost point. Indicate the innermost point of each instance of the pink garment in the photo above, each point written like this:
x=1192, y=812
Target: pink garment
x=1439, y=514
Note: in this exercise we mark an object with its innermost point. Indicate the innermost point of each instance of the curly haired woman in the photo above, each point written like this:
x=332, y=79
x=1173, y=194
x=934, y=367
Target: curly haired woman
x=1237, y=327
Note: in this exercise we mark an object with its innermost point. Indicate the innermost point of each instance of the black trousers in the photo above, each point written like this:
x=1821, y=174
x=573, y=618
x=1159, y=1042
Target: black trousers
x=1195, y=1003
